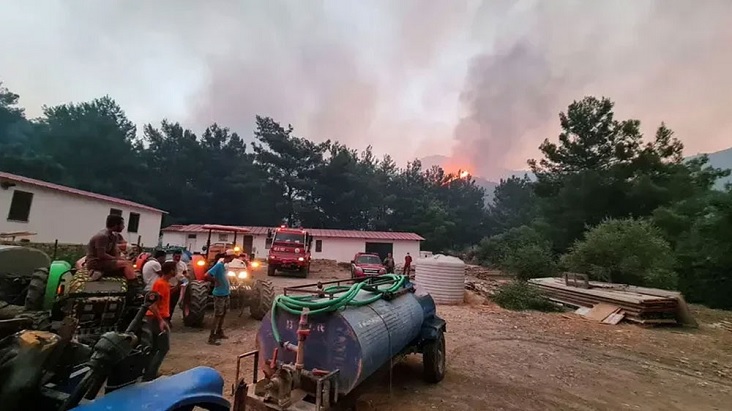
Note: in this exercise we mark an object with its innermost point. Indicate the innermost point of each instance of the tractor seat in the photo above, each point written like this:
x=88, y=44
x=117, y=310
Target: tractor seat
x=200, y=386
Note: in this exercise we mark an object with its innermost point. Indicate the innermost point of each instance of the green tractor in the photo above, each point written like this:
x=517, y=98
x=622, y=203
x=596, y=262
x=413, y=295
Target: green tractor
x=31, y=286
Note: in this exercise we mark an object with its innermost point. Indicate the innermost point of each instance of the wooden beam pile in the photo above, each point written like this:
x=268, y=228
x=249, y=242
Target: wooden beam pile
x=637, y=306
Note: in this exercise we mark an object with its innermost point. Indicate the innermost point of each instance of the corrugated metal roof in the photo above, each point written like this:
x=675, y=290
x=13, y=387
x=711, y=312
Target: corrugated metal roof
x=316, y=232
x=74, y=191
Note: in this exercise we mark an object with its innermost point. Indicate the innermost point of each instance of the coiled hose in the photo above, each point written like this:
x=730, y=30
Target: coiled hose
x=387, y=283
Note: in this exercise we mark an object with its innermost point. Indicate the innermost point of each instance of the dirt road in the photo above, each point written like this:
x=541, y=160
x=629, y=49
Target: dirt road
x=503, y=360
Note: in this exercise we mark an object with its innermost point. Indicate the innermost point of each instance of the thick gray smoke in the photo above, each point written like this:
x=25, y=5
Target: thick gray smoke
x=659, y=60
x=481, y=80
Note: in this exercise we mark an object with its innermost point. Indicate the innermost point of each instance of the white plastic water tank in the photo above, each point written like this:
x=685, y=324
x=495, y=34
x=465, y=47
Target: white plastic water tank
x=443, y=277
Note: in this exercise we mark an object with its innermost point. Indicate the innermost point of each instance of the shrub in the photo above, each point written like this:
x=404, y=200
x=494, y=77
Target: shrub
x=494, y=250
x=519, y=295
x=625, y=251
x=529, y=261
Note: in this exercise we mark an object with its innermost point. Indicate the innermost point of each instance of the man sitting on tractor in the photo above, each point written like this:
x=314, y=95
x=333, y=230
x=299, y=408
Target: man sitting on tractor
x=221, y=292
x=102, y=253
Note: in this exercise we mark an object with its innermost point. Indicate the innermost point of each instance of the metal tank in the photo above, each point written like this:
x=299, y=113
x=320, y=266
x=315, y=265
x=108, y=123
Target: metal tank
x=357, y=341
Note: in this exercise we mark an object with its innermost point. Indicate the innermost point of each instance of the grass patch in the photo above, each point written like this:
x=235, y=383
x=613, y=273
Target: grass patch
x=519, y=296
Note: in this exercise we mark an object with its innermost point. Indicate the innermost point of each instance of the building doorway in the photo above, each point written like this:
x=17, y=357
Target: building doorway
x=381, y=249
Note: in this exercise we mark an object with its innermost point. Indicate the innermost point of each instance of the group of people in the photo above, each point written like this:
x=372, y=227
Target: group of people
x=390, y=265
x=105, y=254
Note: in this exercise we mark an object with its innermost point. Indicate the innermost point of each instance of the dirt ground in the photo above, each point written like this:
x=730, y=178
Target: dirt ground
x=504, y=360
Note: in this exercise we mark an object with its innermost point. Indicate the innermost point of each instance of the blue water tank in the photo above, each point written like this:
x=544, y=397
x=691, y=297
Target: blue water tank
x=357, y=341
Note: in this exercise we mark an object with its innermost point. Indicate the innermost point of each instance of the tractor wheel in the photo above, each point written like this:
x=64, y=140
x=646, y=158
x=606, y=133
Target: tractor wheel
x=433, y=359
x=36, y=290
x=271, y=270
x=262, y=302
x=194, y=305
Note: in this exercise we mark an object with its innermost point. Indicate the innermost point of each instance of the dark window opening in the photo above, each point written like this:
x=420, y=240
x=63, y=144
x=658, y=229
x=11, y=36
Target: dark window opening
x=191, y=236
x=114, y=211
x=268, y=243
x=134, y=223
x=318, y=246
x=20, y=206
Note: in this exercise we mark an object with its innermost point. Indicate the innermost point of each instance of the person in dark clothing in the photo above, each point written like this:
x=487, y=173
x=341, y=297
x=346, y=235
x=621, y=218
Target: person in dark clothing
x=407, y=264
x=389, y=263
x=157, y=329
x=180, y=279
x=102, y=253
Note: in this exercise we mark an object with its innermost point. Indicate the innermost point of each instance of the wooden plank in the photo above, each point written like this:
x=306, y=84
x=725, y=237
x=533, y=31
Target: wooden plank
x=601, y=311
x=614, y=318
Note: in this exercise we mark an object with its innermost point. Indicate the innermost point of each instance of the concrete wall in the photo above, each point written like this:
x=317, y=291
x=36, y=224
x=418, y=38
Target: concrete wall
x=72, y=219
x=338, y=249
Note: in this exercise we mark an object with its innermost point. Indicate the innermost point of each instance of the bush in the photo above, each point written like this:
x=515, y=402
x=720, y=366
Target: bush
x=529, y=261
x=624, y=251
x=494, y=250
x=519, y=295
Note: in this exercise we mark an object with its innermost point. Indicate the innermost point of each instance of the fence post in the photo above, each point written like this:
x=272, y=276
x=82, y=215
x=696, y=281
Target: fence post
x=55, y=249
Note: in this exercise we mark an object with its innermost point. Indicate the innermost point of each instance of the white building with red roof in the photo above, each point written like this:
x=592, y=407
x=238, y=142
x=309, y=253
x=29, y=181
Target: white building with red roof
x=338, y=245
x=44, y=212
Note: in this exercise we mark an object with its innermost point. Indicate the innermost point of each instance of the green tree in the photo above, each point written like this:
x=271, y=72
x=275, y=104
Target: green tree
x=626, y=251
x=514, y=204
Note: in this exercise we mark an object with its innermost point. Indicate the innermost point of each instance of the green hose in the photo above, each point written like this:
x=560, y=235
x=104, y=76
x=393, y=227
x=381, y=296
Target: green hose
x=343, y=296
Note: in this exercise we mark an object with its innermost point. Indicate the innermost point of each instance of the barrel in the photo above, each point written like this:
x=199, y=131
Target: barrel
x=357, y=341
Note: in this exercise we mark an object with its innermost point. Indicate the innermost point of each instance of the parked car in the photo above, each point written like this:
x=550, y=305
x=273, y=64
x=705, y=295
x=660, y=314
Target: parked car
x=366, y=264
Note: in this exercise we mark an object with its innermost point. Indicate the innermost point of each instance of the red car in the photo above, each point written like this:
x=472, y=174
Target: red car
x=366, y=264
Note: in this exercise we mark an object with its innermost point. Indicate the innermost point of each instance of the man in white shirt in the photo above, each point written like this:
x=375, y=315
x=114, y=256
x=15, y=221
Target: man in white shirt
x=152, y=268
x=180, y=278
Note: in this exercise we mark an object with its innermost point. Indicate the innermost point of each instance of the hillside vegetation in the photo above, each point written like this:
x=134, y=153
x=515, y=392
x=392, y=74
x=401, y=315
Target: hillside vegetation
x=604, y=200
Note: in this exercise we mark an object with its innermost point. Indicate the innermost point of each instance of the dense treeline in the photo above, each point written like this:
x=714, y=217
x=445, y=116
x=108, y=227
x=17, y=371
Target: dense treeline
x=621, y=208
x=604, y=200
x=216, y=177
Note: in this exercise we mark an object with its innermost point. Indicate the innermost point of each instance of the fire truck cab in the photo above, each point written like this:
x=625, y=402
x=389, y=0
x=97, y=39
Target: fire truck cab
x=289, y=251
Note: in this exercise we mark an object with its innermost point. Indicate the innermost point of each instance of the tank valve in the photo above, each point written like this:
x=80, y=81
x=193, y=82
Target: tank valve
x=302, y=333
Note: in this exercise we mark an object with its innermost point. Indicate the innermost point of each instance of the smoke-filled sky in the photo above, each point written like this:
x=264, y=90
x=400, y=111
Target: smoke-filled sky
x=480, y=80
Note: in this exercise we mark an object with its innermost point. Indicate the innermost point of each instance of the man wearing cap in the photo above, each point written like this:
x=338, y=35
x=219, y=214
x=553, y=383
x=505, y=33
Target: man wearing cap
x=217, y=275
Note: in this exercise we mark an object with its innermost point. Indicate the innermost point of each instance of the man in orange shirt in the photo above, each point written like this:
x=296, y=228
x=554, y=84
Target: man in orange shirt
x=157, y=329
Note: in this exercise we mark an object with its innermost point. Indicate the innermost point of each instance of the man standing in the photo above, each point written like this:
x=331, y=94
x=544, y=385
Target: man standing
x=389, y=264
x=407, y=264
x=152, y=268
x=180, y=278
x=157, y=328
x=221, y=292
x=102, y=253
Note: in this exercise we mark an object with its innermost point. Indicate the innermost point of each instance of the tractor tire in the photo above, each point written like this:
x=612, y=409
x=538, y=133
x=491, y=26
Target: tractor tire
x=265, y=294
x=433, y=359
x=197, y=297
x=36, y=290
x=271, y=270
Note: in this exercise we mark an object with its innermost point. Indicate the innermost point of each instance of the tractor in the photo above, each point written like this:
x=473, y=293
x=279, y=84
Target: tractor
x=246, y=289
x=290, y=251
x=31, y=286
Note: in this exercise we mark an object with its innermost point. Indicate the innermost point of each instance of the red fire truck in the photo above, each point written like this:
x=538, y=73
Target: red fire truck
x=289, y=251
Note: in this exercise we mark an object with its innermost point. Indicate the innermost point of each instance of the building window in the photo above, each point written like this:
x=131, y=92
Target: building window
x=20, y=206
x=223, y=237
x=134, y=223
x=268, y=243
x=191, y=236
x=318, y=246
x=114, y=211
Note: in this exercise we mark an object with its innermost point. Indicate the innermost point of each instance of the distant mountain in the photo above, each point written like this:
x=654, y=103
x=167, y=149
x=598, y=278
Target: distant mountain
x=720, y=159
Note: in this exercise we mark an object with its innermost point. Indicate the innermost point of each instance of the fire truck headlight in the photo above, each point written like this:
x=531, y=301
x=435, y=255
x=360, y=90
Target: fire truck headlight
x=301, y=259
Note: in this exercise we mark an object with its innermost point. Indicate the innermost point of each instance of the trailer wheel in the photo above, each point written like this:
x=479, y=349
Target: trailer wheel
x=271, y=271
x=433, y=359
x=194, y=304
x=263, y=300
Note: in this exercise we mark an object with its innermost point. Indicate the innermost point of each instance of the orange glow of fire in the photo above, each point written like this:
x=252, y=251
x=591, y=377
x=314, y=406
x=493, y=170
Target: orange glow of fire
x=464, y=174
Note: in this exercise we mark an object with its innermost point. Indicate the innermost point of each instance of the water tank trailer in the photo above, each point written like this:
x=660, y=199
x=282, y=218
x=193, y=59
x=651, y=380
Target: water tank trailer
x=320, y=341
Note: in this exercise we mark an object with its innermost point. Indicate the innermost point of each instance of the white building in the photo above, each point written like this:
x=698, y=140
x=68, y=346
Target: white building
x=338, y=245
x=54, y=212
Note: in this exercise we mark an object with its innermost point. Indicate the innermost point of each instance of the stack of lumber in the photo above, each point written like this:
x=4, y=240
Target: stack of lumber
x=637, y=304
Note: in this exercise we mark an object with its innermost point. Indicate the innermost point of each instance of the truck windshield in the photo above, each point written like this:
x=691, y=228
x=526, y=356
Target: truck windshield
x=368, y=259
x=289, y=238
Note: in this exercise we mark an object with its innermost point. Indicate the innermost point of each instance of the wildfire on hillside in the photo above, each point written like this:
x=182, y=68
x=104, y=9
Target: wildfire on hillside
x=461, y=174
